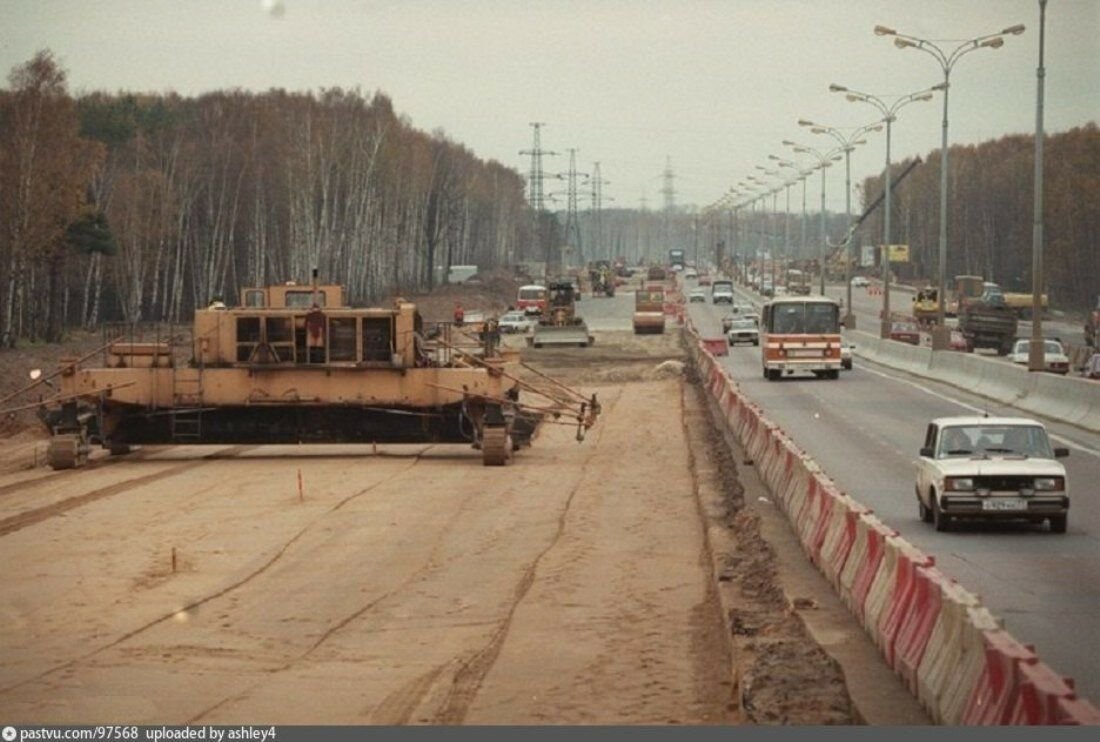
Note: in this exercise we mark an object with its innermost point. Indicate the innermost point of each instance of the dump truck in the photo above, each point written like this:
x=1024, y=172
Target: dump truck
x=986, y=322
x=294, y=364
x=649, y=309
x=559, y=324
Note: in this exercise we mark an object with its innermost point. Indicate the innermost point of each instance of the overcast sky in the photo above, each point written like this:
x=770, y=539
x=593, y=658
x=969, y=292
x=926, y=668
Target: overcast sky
x=715, y=85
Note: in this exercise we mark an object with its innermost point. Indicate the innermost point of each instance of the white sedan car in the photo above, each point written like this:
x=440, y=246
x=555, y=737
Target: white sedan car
x=516, y=321
x=860, y=281
x=1054, y=356
x=743, y=330
x=698, y=294
x=991, y=468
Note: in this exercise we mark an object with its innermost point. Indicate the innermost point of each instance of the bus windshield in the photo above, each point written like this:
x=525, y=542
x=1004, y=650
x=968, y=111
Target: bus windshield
x=532, y=294
x=805, y=318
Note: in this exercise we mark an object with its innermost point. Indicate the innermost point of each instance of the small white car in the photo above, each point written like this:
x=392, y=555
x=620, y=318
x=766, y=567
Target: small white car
x=743, y=330
x=1055, y=359
x=691, y=273
x=721, y=291
x=860, y=281
x=991, y=468
x=516, y=321
x=698, y=294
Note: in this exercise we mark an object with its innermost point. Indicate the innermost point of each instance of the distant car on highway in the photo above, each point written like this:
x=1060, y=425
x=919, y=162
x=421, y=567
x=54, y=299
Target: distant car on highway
x=991, y=468
x=698, y=294
x=721, y=291
x=739, y=311
x=515, y=321
x=860, y=281
x=690, y=273
x=743, y=330
x=704, y=279
x=1055, y=359
x=905, y=332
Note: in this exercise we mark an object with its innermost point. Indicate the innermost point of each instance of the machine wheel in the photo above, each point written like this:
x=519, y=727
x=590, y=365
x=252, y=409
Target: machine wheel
x=66, y=452
x=119, y=449
x=496, y=446
x=1058, y=523
x=538, y=345
x=832, y=374
x=773, y=374
x=939, y=519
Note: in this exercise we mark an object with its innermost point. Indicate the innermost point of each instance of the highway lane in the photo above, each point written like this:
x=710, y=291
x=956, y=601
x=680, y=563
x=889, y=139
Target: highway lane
x=865, y=430
x=868, y=307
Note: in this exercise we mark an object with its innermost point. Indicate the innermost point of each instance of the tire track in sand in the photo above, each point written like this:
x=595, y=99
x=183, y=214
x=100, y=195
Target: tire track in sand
x=213, y=596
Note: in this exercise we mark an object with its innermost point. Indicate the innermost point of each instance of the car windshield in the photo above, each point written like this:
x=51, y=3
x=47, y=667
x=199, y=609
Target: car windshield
x=743, y=324
x=960, y=441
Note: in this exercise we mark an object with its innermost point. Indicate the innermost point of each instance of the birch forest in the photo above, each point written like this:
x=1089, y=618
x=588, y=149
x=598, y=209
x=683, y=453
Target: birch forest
x=143, y=207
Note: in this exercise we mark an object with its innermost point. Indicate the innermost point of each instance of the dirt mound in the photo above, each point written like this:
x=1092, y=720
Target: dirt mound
x=491, y=293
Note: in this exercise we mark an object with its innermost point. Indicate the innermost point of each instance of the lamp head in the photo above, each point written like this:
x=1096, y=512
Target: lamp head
x=1015, y=30
x=834, y=88
x=901, y=43
x=804, y=122
x=995, y=43
x=884, y=31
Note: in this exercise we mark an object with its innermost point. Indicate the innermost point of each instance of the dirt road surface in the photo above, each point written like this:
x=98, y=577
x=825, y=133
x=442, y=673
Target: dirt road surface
x=405, y=584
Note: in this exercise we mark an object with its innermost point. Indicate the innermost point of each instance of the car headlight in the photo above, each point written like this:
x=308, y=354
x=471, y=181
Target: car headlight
x=958, y=484
x=1049, y=484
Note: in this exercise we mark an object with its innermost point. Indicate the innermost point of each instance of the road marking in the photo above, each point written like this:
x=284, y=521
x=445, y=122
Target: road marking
x=981, y=410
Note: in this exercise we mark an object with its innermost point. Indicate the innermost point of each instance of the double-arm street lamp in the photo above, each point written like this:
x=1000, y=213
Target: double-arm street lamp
x=889, y=115
x=946, y=60
x=802, y=174
x=773, y=233
x=847, y=144
x=824, y=160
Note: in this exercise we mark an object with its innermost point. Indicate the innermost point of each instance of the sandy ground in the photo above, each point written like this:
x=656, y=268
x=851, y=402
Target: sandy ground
x=409, y=584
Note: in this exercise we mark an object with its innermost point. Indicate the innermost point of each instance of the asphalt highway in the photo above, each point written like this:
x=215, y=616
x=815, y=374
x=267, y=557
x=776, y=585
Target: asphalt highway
x=865, y=430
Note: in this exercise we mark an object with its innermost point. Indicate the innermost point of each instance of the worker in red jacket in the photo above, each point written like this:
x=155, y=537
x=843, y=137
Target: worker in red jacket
x=459, y=314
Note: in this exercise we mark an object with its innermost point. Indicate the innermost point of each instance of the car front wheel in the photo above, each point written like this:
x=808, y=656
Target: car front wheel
x=1058, y=523
x=923, y=511
x=939, y=518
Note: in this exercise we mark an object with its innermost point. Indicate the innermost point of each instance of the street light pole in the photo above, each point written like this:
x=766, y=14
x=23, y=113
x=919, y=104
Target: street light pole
x=889, y=114
x=1036, y=357
x=940, y=334
x=847, y=143
x=824, y=160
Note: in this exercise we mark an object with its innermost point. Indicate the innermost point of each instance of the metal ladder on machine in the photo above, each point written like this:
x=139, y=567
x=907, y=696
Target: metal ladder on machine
x=186, y=415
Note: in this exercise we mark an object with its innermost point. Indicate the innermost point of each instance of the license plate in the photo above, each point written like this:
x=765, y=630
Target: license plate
x=799, y=353
x=1005, y=503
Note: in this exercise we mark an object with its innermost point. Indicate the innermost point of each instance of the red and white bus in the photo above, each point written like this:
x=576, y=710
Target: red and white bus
x=800, y=334
x=531, y=299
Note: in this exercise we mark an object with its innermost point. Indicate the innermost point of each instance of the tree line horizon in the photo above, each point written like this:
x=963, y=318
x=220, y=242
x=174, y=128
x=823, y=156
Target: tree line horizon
x=142, y=207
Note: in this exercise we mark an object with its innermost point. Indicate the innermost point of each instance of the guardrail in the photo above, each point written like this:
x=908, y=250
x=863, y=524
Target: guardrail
x=950, y=651
x=1068, y=399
